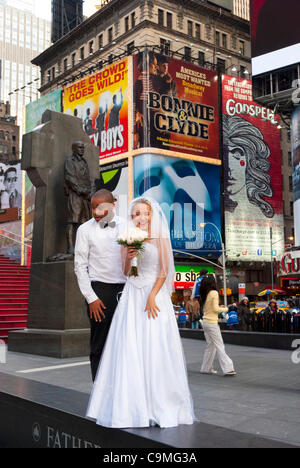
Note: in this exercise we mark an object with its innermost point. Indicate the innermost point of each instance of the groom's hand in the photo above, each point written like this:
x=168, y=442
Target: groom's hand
x=96, y=310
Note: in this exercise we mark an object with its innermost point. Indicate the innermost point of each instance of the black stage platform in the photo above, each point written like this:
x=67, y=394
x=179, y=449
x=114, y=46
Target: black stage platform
x=38, y=415
x=257, y=340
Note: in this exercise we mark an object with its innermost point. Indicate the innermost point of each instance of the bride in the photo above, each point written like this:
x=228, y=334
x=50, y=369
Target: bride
x=142, y=378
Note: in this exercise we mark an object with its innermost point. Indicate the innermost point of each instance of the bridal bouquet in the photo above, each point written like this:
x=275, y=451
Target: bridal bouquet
x=135, y=238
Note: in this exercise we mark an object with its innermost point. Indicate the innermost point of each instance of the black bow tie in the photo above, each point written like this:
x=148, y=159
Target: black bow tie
x=106, y=225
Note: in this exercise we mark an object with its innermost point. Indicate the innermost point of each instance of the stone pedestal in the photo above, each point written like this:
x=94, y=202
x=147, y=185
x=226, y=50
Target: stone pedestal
x=58, y=325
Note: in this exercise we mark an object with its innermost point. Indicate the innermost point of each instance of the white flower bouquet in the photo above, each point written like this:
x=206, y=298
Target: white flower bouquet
x=135, y=238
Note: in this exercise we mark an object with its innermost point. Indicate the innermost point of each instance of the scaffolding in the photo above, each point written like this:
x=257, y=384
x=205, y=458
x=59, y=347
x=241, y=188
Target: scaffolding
x=66, y=15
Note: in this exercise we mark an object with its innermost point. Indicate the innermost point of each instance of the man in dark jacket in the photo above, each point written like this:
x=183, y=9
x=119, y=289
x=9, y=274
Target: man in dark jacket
x=244, y=314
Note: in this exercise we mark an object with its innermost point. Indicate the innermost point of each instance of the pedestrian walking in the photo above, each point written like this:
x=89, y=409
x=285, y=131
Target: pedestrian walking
x=193, y=309
x=210, y=299
x=244, y=314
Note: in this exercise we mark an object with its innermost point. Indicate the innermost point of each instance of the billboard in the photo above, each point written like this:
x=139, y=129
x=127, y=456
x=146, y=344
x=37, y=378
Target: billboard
x=296, y=170
x=10, y=191
x=189, y=194
x=34, y=111
x=101, y=101
x=275, y=34
x=175, y=106
x=252, y=175
x=187, y=275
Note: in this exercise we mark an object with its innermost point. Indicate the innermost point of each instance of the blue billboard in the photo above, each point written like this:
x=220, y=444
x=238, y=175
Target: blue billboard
x=189, y=194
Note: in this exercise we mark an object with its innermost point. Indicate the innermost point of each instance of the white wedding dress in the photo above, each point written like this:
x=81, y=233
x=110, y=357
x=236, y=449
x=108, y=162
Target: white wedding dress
x=142, y=378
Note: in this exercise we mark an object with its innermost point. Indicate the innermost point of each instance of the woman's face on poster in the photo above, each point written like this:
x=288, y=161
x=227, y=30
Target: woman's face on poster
x=237, y=165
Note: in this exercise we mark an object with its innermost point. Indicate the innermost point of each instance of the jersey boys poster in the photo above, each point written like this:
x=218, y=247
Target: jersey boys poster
x=252, y=175
x=175, y=106
x=101, y=101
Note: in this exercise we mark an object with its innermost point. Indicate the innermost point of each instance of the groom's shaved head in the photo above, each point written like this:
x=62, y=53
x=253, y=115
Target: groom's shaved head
x=104, y=195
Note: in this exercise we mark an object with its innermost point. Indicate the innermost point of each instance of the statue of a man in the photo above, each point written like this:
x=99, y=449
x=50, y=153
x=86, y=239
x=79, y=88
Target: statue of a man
x=78, y=190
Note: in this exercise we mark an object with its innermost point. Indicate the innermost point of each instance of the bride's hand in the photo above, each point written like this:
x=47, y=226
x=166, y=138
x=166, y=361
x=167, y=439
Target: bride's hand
x=151, y=307
x=131, y=252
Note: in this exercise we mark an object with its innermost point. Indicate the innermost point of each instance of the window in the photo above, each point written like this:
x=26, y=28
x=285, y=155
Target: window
x=243, y=71
x=161, y=17
x=73, y=60
x=165, y=46
x=198, y=31
x=201, y=58
x=3, y=149
x=82, y=53
x=91, y=47
x=100, y=41
x=292, y=208
x=127, y=23
x=218, y=38
x=110, y=35
x=291, y=184
x=169, y=20
x=65, y=65
x=53, y=73
x=110, y=58
x=187, y=54
x=190, y=28
x=224, y=41
x=221, y=65
x=133, y=19
x=242, y=47
x=130, y=48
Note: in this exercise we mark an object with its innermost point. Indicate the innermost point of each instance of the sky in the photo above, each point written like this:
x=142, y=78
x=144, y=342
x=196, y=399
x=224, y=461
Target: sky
x=43, y=8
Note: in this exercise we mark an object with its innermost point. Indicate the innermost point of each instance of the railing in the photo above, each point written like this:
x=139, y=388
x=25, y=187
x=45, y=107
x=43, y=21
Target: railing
x=12, y=245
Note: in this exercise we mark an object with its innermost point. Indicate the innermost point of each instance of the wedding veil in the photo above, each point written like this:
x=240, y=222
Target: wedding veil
x=160, y=236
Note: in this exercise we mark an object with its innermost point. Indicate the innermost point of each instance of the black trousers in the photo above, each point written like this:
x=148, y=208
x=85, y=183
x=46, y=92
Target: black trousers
x=109, y=295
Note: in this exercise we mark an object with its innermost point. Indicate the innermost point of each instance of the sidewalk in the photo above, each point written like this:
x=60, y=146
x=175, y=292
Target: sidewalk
x=264, y=398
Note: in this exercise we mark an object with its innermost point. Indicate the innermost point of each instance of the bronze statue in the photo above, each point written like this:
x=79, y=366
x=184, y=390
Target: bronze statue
x=78, y=189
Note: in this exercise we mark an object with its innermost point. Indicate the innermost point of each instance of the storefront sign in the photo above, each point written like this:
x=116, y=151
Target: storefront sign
x=186, y=276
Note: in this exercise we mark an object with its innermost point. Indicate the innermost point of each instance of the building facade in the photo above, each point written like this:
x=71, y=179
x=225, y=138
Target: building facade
x=242, y=8
x=201, y=32
x=9, y=134
x=22, y=37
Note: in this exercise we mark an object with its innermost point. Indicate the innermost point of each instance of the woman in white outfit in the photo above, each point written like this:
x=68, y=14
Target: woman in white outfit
x=210, y=299
x=142, y=378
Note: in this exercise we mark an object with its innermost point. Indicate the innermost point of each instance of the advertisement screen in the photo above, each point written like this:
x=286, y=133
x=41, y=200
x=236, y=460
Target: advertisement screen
x=175, y=106
x=275, y=34
x=189, y=194
x=101, y=101
x=34, y=111
x=10, y=191
x=252, y=175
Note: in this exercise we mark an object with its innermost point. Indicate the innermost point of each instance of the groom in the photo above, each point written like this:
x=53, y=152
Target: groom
x=98, y=267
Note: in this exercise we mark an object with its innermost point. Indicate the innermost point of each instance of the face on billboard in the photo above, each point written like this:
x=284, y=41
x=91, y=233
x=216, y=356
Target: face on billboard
x=175, y=106
x=189, y=194
x=274, y=26
x=252, y=174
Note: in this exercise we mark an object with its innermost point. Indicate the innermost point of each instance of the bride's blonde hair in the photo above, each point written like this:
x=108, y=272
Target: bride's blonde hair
x=141, y=201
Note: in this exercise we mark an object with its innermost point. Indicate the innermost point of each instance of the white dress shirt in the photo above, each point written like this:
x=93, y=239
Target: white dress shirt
x=98, y=256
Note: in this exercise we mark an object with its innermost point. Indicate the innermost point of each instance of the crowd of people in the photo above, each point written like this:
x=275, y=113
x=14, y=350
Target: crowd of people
x=242, y=317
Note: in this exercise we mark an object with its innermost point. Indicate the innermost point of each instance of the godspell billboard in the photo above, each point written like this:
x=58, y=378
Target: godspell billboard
x=188, y=191
x=252, y=175
x=101, y=101
x=175, y=106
